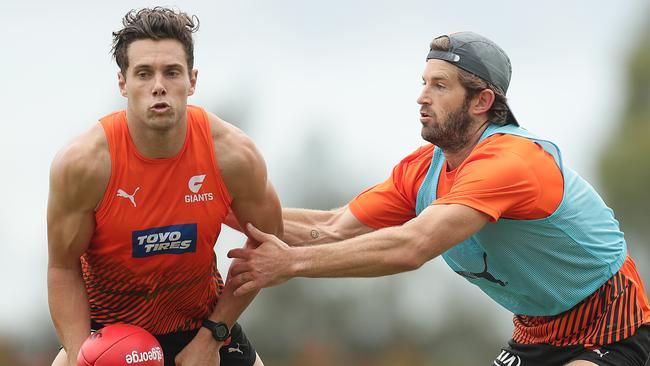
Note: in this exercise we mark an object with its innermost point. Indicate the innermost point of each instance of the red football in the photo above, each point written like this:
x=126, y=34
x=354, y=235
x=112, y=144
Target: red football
x=120, y=345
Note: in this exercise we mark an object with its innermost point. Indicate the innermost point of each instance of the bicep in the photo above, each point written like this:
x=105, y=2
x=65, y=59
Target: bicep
x=259, y=206
x=347, y=225
x=70, y=214
x=68, y=234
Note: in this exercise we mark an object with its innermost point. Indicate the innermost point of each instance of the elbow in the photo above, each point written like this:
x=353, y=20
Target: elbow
x=412, y=261
x=406, y=264
x=414, y=255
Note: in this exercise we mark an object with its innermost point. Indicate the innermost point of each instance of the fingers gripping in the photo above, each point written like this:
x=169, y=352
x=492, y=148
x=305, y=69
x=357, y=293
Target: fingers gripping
x=239, y=253
x=259, y=266
x=239, y=267
x=245, y=288
x=241, y=279
x=258, y=235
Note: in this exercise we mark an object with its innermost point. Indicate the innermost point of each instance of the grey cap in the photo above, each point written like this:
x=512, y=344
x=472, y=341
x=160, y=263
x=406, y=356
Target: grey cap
x=481, y=57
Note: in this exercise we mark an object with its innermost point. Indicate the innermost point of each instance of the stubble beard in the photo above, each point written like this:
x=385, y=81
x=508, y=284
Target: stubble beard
x=450, y=133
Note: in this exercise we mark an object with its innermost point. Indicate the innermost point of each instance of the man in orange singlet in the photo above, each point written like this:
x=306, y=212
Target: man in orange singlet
x=136, y=205
x=502, y=209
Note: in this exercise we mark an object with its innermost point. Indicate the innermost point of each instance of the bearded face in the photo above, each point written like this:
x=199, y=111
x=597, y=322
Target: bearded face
x=448, y=130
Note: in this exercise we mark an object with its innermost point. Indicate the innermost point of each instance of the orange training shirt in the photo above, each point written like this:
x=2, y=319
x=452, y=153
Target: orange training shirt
x=151, y=259
x=504, y=176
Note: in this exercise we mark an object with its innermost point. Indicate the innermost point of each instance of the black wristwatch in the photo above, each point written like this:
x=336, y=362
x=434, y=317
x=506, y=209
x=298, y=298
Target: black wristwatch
x=220, y=331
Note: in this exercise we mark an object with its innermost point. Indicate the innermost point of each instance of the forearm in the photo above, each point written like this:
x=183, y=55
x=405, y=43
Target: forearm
x=383, y=252
x=309, y=227
x=230, y=307
x=306, y=227
x=228, y=310
x=68, y=308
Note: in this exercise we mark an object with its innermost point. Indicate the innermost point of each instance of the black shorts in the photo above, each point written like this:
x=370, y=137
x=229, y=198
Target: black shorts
x=632, y=351
x=239, y=352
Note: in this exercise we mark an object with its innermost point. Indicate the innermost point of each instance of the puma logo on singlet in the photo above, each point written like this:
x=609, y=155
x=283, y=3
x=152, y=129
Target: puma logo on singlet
x=506, y=358
x=484, y=275
x=233, y=349
x=131, y=197
x=600, y=354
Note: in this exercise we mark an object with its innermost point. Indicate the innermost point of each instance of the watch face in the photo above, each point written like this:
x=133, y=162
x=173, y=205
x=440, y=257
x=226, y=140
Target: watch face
x=221, y=331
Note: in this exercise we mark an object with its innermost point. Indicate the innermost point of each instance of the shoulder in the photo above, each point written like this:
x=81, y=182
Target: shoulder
x=510, y=160
x=506, y=144
x=511, y=150
x=81, y=170
x=232, y=145
x=502, y=153
x=508, y=176
x=86, y=156
x=239, y=161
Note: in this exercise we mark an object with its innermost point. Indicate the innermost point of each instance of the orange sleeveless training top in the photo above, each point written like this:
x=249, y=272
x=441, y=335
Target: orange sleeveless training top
x=151, y=259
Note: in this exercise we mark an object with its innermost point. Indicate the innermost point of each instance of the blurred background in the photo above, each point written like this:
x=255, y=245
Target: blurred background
x=327, y=91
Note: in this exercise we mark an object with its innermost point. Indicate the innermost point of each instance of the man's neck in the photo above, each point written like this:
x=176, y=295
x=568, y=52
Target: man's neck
x=455, y=158
x=157, y=144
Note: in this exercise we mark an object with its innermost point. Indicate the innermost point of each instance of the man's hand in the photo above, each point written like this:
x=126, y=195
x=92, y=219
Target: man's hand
x=267, y=265
x=72, y=358
x=64, y=359
x=203, y=350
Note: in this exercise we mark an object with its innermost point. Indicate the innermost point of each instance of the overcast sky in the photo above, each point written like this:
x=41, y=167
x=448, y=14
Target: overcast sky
x=348, y=69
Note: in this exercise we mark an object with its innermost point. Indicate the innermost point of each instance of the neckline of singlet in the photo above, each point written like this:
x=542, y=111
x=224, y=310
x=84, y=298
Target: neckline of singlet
x=145, y=159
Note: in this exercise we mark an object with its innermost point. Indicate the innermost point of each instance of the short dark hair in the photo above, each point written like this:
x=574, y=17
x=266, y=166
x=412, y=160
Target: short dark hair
x=154, y=23
x=474, y=84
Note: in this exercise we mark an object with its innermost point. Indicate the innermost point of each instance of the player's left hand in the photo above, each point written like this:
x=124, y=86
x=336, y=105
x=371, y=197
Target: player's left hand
x=267, y=265
x=201, y=351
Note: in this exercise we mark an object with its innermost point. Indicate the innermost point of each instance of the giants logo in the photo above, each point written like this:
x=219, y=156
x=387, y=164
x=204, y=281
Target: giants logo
x=194, y=184
x=174, y=239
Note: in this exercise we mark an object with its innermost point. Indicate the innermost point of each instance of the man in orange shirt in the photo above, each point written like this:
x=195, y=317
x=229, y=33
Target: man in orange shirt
x=136, y=205
x=499, y=205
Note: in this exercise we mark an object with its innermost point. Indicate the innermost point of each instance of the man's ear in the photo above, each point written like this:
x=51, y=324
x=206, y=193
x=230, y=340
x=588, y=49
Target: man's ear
x=193, y=75
x=483, y=101
x=121, y=82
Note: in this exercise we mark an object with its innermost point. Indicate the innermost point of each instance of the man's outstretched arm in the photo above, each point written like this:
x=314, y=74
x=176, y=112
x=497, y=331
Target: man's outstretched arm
x=307, y=227
x=383, y=252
